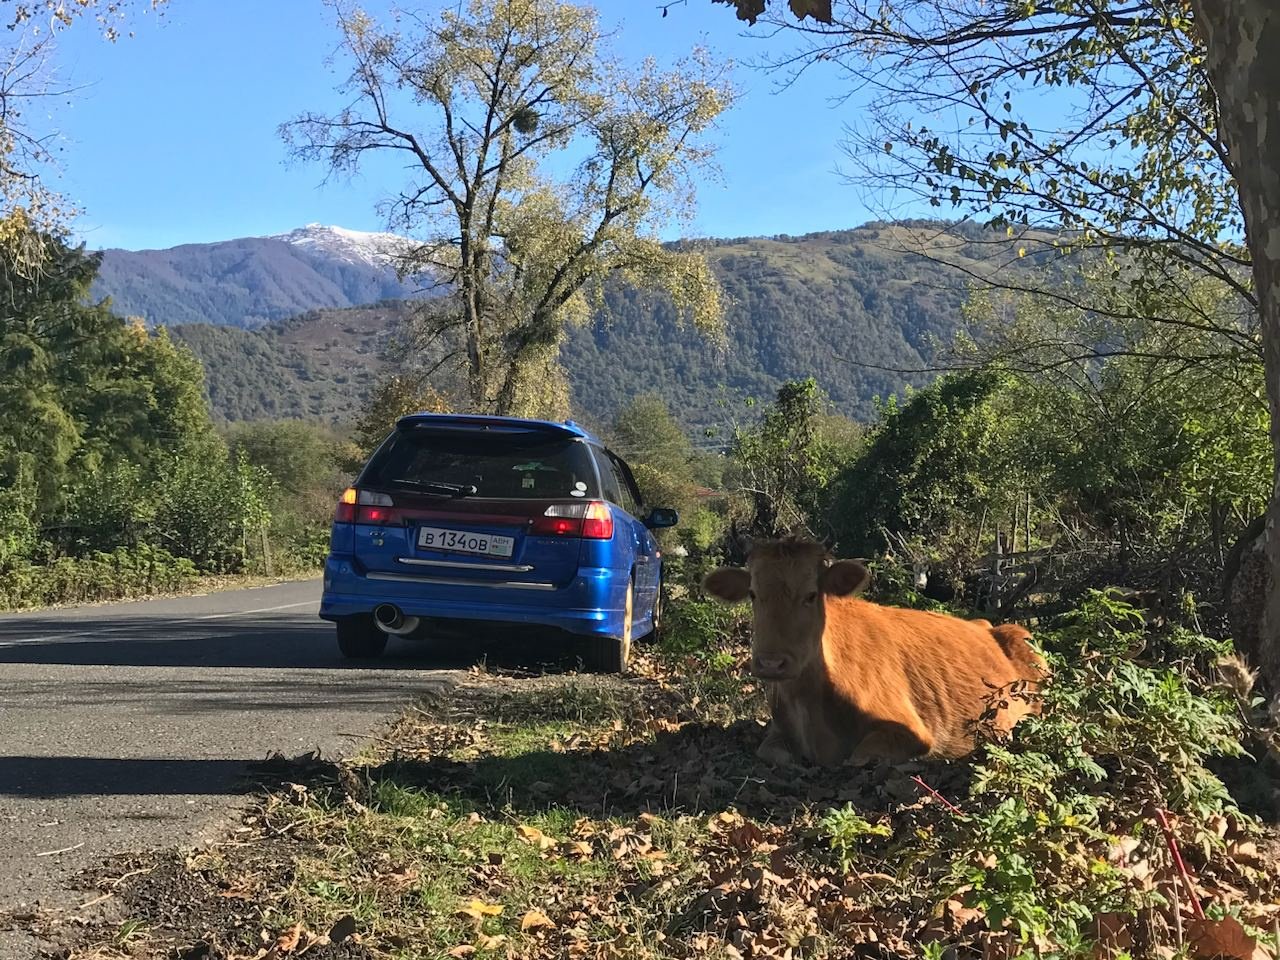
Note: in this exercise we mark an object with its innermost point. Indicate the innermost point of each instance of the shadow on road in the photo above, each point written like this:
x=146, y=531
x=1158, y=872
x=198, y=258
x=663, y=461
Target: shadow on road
x=54, y=777
x=283, y=693
x=265, y=642
x=51, y=778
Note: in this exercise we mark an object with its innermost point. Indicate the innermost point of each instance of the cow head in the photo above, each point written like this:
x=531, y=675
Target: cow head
x=786, y=581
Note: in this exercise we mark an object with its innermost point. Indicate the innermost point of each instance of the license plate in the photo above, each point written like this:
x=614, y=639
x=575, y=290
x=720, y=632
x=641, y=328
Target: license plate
x=459, y=541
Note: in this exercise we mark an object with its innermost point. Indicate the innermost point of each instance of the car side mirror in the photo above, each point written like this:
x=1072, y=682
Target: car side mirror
x=661, y=517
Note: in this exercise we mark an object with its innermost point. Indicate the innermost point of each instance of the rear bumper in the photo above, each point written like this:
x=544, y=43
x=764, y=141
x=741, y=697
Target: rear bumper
x=593, y=603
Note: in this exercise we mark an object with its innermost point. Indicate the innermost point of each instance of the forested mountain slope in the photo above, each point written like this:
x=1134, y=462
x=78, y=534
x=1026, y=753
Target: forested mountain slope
x=849, y=308
x=254, y=280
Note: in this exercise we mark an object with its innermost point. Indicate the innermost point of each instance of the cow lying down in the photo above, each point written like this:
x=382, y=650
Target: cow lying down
x=850, y=680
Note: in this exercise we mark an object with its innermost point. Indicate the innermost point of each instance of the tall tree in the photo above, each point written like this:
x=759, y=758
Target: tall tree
x=542, y=167
x=1167, y=156
x=1241, y=38
x=393, y=397
x=81, y=389
x=30, y=211
x=645, y=430
x=783, y=466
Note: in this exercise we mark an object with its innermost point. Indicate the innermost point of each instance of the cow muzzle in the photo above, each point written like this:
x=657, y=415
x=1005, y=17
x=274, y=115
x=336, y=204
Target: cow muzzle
x=772, y=666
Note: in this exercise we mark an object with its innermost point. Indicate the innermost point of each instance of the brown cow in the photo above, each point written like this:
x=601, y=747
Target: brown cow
x=853, y=680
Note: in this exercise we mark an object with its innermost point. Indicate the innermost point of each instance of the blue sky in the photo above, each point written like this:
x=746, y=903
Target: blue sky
x=172, y=138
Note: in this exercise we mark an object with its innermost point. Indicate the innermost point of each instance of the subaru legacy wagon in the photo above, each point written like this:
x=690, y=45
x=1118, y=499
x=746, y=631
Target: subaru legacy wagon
x=495, y=519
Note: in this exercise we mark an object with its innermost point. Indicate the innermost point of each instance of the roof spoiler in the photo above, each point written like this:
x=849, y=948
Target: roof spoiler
x=473, y=423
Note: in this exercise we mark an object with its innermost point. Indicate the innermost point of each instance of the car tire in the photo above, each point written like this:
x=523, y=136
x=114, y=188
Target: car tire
x=613, y=654
x=360, y=639
x=655, y=627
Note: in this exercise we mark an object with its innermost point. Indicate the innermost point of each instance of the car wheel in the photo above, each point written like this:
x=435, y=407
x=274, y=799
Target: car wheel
x=612, y=654
x=360, y=639
x=655, y=626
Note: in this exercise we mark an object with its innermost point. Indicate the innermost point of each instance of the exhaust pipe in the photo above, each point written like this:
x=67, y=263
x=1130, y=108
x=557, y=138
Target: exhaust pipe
x=391, y=620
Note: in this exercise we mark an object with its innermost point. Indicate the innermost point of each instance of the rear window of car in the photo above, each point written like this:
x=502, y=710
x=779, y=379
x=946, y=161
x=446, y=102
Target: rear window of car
x=500, y=467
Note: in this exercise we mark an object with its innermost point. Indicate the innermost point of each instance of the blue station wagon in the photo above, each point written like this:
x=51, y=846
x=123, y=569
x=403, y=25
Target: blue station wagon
x=494, y=519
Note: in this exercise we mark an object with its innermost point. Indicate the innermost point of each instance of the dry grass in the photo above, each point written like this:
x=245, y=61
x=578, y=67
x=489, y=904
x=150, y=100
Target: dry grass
x=571, y=816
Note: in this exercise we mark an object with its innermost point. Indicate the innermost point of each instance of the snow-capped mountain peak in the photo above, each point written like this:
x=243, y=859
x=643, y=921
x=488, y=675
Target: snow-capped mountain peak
x=354, y=246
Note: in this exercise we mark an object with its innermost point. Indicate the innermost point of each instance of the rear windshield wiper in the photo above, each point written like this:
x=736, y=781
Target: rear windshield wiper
x=438, y=486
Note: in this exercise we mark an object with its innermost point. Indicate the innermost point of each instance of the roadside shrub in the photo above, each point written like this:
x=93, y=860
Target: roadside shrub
x=108, y=508
x=1060, y=835
x=668, y=469
x=893, y=583
x=663, y=489
x=208, y=510
x=100, y=576
x=18, y=532
x=701, y=626
x=298, y=545
x=782, y=470
x=930, y=466
x=702, y=529
x=1122, y=737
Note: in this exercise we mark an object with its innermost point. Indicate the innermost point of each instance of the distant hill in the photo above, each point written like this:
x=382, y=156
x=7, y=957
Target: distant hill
x=316, y=366
x=255, y=280
x=847, y=307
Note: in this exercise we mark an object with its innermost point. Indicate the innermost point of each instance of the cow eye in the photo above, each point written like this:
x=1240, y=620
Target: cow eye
x=811, y=598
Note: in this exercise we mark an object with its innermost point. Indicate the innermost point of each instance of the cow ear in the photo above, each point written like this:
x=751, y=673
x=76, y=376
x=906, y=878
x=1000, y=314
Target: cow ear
x=730, y=584
x=844, y=578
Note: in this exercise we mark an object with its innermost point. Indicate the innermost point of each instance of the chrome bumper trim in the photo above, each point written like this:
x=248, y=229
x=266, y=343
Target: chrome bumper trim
x=454, y=582
x=455, y=565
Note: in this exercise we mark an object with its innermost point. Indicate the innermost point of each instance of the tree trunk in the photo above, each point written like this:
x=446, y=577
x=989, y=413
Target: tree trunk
x=469, y=282
x=533, y=383
x=1242, y=38
x=1217, y=521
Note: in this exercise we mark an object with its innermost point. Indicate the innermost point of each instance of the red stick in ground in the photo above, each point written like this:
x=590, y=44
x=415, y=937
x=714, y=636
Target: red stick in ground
x=1177, y=862
x=939, y=797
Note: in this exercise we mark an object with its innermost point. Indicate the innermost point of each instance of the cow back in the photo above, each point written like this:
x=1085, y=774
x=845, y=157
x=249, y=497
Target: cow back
x=884, y=661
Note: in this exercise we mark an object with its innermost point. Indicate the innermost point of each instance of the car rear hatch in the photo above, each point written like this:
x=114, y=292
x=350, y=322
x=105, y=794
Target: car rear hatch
x=474, y=501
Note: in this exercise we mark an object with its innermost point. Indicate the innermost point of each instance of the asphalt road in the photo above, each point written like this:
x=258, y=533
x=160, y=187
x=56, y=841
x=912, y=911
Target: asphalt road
x=127, y=727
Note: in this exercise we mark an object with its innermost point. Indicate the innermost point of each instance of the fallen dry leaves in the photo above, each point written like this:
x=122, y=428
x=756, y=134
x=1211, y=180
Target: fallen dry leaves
x=298, y=941
x=536, y=837
x=1225, y=938
x=535, y=920
x=733, y=868
x=479, y=910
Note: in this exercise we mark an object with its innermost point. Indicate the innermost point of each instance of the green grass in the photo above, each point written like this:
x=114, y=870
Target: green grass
x=414, y=859
x=580, y=817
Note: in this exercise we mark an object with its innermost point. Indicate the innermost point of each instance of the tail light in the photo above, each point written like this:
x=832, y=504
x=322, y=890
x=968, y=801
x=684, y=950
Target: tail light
x=365, y=506
x=591, y=521
x=346, y=512
x=598, y=523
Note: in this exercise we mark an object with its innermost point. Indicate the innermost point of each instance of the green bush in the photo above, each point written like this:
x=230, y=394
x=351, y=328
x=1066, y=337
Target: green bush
x=298, y=545
x=302, y=461
x=100, y=576
x=1119, y=738
x=932, y=464
x=1062, y=822
x=782, y=470
x=209, y=510
x=108, y=508
x=700, y=626
x=109, y=464
x=18, y=532
x=701, y=529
